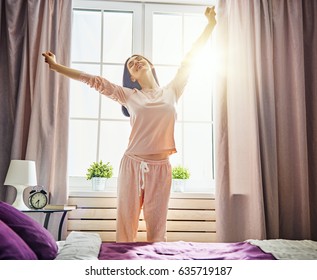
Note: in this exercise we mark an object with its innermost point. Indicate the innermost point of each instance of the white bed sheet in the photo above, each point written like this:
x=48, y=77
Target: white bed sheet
x=283, y=249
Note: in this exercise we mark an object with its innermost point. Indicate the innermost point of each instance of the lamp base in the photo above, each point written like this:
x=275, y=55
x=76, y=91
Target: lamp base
x=19, y=201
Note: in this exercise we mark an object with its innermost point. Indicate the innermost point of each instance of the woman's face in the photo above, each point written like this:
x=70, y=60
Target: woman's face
x=137, y=65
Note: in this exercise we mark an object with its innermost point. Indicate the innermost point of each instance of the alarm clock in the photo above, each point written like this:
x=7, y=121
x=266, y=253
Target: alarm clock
x=38, y=198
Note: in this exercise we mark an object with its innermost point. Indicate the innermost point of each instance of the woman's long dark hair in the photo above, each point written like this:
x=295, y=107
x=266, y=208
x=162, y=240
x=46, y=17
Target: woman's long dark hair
x=126, y=81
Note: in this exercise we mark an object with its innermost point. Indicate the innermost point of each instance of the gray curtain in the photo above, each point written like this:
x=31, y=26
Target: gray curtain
x=266, y=119
x=34, y=101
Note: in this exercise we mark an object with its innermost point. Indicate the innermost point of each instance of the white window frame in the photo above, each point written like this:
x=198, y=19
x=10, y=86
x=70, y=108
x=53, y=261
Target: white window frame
x=150, y=9
x=136, y=8
x=80, y=183
x=172, y=9
x=141, y=40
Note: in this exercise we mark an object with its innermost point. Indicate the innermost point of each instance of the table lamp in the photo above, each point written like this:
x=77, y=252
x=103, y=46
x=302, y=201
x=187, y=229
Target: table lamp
x=21, y=174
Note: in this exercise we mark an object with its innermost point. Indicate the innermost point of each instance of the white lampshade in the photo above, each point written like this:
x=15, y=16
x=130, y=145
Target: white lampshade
x=21, y=174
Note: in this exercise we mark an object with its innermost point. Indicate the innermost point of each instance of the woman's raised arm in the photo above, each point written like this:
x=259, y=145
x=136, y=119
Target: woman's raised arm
x=113, y=91
x=50, y=59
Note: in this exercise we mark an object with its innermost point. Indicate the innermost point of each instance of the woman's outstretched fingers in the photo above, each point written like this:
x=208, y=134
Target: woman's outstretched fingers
x=210, y=14
x=49, y=58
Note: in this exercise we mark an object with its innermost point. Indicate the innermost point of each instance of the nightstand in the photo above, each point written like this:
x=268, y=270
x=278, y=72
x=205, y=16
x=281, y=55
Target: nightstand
x=48, y=210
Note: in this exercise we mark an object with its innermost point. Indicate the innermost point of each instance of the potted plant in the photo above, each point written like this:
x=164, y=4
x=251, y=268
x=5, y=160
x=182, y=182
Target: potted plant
x=179, y=175
x=98, y=173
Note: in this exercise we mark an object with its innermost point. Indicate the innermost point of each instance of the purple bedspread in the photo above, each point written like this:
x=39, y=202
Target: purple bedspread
x=182, y=251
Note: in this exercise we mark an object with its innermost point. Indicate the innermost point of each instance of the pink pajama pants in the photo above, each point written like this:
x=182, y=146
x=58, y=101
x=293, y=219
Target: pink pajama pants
x=147, y=184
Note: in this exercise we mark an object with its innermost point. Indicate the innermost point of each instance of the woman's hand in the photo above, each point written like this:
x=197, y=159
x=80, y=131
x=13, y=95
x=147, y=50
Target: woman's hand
x=211, y=15
x=50, y=59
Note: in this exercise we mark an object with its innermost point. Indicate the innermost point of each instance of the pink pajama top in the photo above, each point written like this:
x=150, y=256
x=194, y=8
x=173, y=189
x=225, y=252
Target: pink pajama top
x=152, y=113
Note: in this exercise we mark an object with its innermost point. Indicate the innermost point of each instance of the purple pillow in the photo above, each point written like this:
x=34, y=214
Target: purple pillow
x=34, y=235
x=12, y=247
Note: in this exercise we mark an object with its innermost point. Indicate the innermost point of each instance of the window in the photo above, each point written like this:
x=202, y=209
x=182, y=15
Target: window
x=104, y=35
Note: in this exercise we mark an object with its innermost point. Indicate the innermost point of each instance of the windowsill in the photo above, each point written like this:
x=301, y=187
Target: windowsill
x=79, y=186
x=90, y=193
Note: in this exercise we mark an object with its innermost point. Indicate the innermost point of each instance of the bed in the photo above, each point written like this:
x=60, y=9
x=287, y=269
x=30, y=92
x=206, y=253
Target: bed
x=22, y=238
x=80, y=245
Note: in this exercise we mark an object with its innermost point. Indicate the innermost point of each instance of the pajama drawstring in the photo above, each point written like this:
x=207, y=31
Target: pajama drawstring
x=144, y=168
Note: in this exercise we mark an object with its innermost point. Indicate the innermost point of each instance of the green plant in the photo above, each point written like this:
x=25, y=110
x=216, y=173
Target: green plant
x=99, y=169
x=180, y=172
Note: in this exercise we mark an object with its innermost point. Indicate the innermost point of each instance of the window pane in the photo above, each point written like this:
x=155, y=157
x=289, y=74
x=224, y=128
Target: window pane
x=165, y=74
x=114, y=138
x=84, y=101
x=193, y=26
x=117, y=45
x=198, y=93
x=167, y=38
x=198, y=149
x=83, y=146
x=198, y=98
x=108, y=35
x=86, y=40
x=109, y=108
x=177, y=158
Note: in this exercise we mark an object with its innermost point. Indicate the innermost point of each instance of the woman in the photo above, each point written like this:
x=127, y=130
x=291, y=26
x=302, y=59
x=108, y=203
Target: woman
x=145, y=172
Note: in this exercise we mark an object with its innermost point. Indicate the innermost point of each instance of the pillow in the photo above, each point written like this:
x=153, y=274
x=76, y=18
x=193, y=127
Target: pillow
x=12, y=247
x=34, y=235
x=80, y=246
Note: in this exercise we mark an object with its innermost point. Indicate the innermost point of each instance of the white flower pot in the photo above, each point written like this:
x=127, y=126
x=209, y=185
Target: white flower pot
x=98, y=183
x=178, y=185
